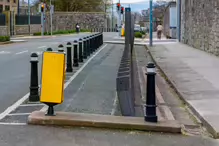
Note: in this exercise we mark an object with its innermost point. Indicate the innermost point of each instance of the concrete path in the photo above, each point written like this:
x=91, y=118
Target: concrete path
x=94, y=89
x=194, y=74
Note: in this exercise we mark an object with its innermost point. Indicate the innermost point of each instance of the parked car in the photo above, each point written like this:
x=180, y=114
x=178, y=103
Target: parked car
x=137, y=28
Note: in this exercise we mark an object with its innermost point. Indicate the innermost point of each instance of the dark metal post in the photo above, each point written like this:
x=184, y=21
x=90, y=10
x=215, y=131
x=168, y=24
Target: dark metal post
x=99, y=41
x=101, y=38
x=75, y=64
x=69, y=59
x=61, y=48
x=92, y=44
x=80, y=50
x=85, y=48
x=49, y=49
x=150, y=114
x=34, y=87
x=95, y=42
x=88, y=46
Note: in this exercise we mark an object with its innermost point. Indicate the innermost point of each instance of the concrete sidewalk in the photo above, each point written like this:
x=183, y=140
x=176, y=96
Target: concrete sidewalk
x=194, y=74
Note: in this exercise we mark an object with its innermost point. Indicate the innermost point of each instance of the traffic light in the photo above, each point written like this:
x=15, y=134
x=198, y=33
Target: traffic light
x=122, y=10
x=42, y=7
x=118, y=6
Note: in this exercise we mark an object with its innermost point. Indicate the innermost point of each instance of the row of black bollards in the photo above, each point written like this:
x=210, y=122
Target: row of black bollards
x=81, y=49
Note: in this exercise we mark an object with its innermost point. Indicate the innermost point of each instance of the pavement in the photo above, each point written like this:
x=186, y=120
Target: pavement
x=193, y=73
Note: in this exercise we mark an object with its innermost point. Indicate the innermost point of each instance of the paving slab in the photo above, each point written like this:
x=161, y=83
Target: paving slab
x=194, y=75
x=102, y=121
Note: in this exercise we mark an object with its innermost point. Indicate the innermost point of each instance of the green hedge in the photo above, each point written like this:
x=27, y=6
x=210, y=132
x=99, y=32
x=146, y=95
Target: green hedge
x=4, y=38
x=61, y=32
x=138, y=34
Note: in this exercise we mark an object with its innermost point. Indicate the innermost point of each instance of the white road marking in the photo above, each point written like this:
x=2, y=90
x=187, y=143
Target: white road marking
x=4, y=52
x=16, y=124
x=25, y=97
x=76, y=74
x=18, y=114
x=42, y=47
x=14, y=106
x=21, y=52
x=114, y=105
x=37, y=104
x=39, y=53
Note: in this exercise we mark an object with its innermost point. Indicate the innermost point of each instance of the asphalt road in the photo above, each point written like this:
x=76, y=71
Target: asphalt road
x=15, y=66
x=57, y=136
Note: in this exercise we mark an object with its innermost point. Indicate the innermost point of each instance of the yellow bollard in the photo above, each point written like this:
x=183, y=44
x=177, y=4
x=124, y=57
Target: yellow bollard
x=123, y=32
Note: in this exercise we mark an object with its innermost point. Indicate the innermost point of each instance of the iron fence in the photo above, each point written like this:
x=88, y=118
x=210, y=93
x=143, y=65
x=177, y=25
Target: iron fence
x=23, y=19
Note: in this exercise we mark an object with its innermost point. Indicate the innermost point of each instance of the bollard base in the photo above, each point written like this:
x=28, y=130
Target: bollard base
x=75, y=64
x=69, y=69
x=150, y=119
x=81, y=60
x=34, y=98
x=50, y=111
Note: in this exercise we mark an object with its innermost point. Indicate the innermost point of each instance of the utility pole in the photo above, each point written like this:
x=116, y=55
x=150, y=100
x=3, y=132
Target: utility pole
x=178, y=20
x=151, y=23
x=112, y=15
x=119, y=19
x=29, y=16
x=51, y=12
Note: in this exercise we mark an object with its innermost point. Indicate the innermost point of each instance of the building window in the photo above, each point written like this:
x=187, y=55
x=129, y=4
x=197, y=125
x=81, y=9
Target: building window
x=15, y=1
x=1, y=8
x=7, y=8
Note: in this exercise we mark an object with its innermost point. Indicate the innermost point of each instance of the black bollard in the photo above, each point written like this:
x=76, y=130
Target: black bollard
x=150, y=114
x=49, y=49
x=69, y=59
x=80, y=50
x=91, y=44
x=75, y=64
x=98, y=40
x=88, y=46
x=34, y=87
x=93, y=48
x=61, y=48
x=84, y=48
x=101, y=39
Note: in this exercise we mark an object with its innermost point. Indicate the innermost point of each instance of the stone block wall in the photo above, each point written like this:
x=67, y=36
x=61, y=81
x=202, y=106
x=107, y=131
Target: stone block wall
x=24, y=29
x=3, y=30
x=68, y=20
x=200, y=25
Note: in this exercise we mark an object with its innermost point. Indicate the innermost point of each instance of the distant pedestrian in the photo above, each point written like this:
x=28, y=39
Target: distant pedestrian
x=159, y=31
x=77, y=27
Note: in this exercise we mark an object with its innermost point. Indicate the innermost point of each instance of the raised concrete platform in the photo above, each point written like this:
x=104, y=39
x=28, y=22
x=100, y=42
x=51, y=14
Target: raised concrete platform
x=103, y=121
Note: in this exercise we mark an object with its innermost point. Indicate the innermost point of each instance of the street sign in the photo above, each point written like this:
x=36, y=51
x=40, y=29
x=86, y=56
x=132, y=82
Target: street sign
x=128, y=9
x=53, y=76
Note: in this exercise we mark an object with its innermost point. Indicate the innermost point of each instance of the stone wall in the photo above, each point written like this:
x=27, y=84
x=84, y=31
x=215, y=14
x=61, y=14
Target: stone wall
x=3, y=30
x=24, y=29
x=200, y=25
x=68, y=20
